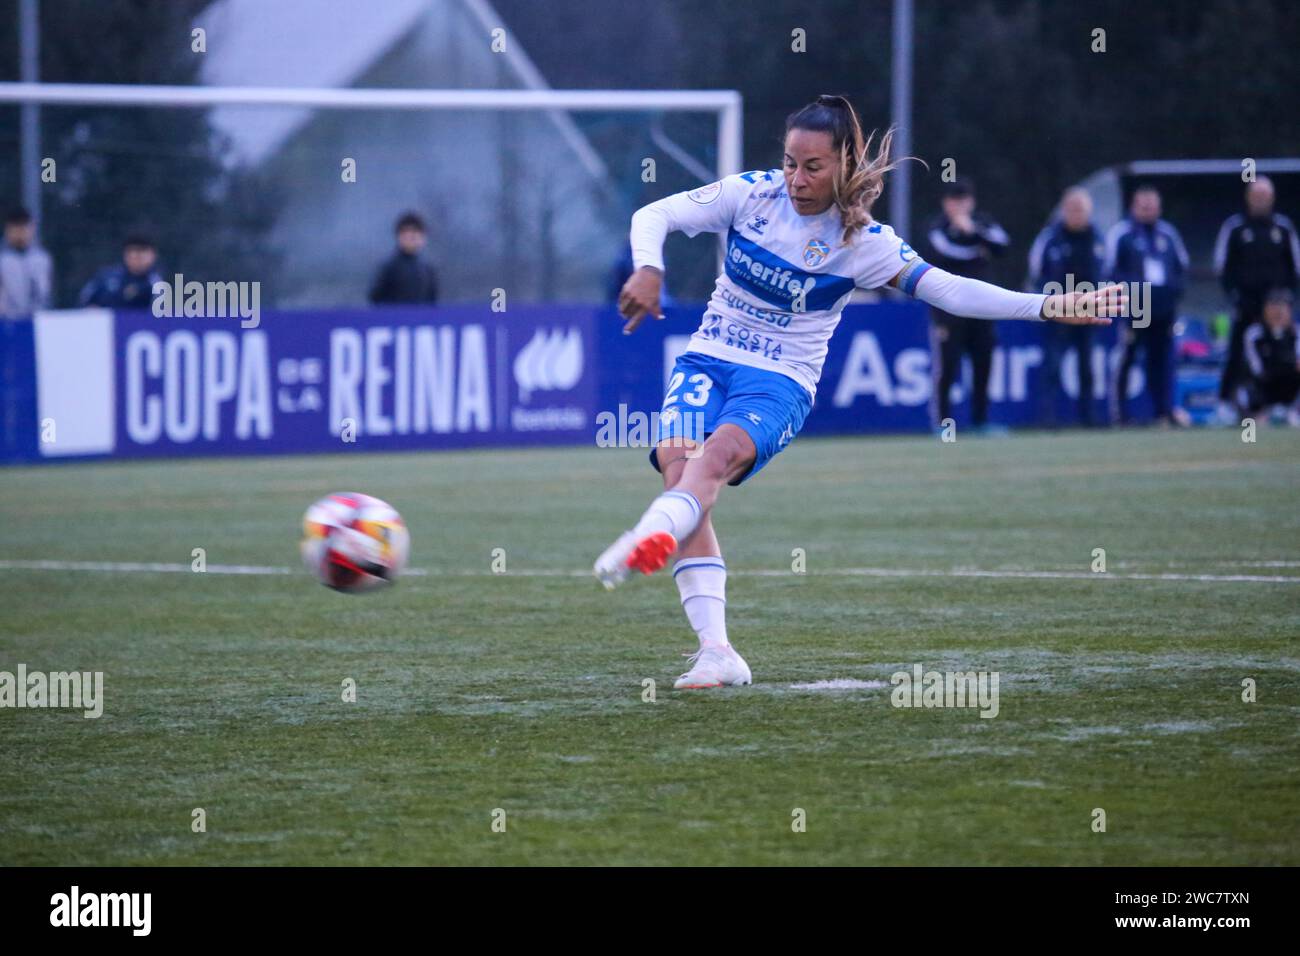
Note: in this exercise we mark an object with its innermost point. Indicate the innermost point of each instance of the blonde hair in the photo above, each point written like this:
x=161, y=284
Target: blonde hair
x=860, y=175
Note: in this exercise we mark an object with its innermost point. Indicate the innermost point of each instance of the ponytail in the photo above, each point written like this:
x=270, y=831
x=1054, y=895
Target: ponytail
x=860, y=177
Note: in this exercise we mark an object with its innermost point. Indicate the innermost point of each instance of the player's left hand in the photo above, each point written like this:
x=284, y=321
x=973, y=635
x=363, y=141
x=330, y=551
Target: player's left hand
x=1087, y=308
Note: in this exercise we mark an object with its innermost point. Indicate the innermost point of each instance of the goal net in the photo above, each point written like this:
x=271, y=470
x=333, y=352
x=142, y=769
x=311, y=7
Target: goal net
x=527, y=191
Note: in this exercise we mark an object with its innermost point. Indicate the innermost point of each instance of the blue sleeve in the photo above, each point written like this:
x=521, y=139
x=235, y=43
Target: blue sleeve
x=1179, y=259
x=90, y=291
x=1037, y=255
x=1110, y=268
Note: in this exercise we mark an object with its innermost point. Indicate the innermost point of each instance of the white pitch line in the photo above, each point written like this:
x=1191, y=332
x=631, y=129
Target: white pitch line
x=259, y=569
x=138, y=566
x=1064, y=575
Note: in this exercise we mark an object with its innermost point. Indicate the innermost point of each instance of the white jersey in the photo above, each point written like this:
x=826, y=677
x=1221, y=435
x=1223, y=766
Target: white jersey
x=786, y=277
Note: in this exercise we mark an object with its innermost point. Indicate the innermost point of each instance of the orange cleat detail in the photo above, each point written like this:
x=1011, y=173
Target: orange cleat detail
x=651, y=552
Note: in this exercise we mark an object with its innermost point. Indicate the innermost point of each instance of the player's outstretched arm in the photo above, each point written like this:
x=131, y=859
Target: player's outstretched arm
x=974, y=299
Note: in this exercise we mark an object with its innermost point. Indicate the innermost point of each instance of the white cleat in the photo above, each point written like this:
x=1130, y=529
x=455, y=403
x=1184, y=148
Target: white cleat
x=646, y=554
x=715, y=665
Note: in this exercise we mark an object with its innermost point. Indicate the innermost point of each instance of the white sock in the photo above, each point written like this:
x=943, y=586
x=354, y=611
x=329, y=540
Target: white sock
x=677, y=512
x=702, y=583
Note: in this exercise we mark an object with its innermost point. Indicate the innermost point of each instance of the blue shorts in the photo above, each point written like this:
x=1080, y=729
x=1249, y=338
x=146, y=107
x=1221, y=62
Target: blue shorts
x=705, y=392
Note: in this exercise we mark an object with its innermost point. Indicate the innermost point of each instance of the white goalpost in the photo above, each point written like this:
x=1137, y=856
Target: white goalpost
x=725, y=104
x=555, y=105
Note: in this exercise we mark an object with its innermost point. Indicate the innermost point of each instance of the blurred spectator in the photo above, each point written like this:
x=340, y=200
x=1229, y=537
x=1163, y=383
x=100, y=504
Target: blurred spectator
x=1068, y=252
x=1254, y=253
x=962, y=242
x=1143, y=248
x=128, y=285
x=24, y=268
x=1272, y=364
x=406, y=278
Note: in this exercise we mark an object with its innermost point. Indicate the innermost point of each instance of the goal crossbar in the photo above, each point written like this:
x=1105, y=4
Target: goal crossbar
x=725, y=103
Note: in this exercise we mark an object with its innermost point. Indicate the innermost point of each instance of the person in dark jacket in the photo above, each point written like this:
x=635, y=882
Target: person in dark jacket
x=1143, y=248
x=1253, y=253
x=962, y=242
x=406, y=278
x=1272, y=364
x=1068, y=253
x=130, y=284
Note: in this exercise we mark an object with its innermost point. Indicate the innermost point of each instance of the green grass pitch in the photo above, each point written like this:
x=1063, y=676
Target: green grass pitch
x=523, y=691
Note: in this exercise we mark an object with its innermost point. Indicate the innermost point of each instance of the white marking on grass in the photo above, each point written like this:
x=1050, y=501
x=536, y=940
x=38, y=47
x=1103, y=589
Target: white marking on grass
x=1225, y=564
x=723, y=751
x=1062, y=575
x=158, y=567
x=138, y=567
x=943, y=748
x=1184, y=726
x=142, y=567
x=841, y=683
x=1086, y=733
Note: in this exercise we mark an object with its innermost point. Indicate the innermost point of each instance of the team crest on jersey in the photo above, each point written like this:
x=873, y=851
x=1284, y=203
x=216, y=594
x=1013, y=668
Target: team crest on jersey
x=815, y=253
x=706, y=194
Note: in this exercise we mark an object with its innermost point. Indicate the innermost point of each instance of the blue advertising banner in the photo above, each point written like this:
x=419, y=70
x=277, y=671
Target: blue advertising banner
x=878, y=375
x=382, y=379
x=94, y=382
x=132, y=384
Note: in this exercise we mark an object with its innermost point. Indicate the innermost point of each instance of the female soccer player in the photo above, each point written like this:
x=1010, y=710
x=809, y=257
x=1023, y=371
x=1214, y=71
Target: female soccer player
x=796, y=249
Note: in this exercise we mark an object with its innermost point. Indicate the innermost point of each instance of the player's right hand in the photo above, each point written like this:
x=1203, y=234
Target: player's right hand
x=640, y=297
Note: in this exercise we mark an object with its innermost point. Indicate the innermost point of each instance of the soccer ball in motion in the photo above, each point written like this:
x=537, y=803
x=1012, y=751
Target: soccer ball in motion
x=354, y=542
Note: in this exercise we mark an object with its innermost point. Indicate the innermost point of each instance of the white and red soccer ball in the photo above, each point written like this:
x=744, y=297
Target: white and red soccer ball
x=353, y=542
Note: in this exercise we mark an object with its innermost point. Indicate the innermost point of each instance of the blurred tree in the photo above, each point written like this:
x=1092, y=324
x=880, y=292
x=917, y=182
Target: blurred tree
x=1014, y=91
x=1010, y=89
x=158, y=171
